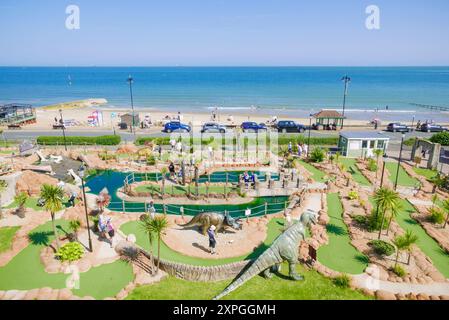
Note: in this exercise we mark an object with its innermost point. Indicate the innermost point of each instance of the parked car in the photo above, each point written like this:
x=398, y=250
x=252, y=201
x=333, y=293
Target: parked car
x=213, y=127
x=289, y=126
x=428, y=127
x=176, y=126
x=397, y=127
x=253, y=126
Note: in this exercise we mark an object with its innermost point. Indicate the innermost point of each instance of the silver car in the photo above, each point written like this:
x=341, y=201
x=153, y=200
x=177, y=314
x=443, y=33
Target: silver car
x=213, y=127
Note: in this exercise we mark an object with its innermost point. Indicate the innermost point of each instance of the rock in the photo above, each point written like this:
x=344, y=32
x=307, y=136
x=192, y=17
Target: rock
x=368, y=292
x=44, y=294
x=31, y=294
x=422, y=296
x=444, y=297
x=131, y=238
x=121, y=295
x=127, y=248
x=385, y=295
x=400, y=296
x=10, y=294
x=433, y=297
x=31, y=182
x=84, y=265
x=64, y=294
x=53, y=267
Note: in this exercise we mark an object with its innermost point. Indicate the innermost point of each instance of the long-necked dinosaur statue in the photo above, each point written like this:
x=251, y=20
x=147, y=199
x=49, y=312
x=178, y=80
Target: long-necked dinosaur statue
x=284, y=248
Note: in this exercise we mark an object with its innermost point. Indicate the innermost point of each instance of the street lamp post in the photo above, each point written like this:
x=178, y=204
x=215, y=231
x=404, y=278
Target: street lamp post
x=131, y=81
x=399, y=163
x=347, y=80
x=63, y=130
x=308, y=140
x=383, y=171
x=81, y=171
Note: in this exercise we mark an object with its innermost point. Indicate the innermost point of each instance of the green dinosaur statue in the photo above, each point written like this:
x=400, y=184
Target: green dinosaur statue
x=284, y=248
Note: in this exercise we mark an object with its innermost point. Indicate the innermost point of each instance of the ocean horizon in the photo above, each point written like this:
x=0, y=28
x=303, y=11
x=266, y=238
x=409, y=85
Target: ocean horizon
x=388, y=93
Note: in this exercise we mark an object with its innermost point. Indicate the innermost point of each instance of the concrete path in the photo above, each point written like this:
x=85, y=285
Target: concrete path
x=420, y=202
x=368, y=282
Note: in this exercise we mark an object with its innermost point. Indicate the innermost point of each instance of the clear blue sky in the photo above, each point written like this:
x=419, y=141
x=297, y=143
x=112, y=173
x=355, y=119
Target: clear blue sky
x=224, y=33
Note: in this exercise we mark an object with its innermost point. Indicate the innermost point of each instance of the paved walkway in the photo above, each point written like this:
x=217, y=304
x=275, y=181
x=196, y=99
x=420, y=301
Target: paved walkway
x=368, y=282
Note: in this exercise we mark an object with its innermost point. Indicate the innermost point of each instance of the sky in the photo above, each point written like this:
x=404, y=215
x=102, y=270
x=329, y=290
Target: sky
x=224, y=33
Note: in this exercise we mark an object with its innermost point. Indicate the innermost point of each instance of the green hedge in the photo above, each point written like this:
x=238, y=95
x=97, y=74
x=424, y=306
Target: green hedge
x=76, y=140
x=441, y=138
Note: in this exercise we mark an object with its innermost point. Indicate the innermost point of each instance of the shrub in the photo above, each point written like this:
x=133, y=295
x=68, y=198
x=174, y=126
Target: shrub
x=314, y=141
x=342, y=281
x=436, y=215
x=372, y=165
x=151, y=160
x=353, y=195
x=382, y=248
x=399, y=271
x=71, y=251
x=374, y=221
x=409, y=142
x=317, y=155
x=441, y=138
x=107, y=156
x=360, y=219
x=78, y=140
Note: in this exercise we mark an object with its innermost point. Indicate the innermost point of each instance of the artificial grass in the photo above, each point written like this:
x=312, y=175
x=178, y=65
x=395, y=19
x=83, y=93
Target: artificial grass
x=314, y=287
x=317, y=175
x=339, y=254
x=439, y=257
x=404, y=179
x=6, y=236
x=30, y=203
x=429, y=174
x=25, y=271
x=351, y=166
x=275, y=227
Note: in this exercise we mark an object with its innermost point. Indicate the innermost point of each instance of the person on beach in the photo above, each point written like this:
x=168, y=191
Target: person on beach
x=180, y=117
x=151, y=209
x=212, y=240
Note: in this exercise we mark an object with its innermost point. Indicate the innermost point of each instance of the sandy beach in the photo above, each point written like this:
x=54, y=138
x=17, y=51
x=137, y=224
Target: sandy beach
x=111, y=118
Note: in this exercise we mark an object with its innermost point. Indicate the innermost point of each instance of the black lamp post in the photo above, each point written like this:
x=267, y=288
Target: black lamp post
x=308, y=140
x=383, y=171
x=63, y=130
x=131, y=81
x=347, y=80
x=399, y=162
x=81, y=172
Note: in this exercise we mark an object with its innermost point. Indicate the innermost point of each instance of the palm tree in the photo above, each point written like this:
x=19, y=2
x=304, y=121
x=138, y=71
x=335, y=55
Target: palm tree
x=75, y=225
x=52, y=196
x=393, y=214
x=387, y=201
x=21, y=200
x=437, y=181
x=147, y=227
x=446, y=208
x=158, y=226
x=434, y=199
x=378, y=153
x=405, y=242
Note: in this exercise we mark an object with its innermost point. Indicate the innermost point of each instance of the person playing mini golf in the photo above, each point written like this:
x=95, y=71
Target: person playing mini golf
x=212, y=240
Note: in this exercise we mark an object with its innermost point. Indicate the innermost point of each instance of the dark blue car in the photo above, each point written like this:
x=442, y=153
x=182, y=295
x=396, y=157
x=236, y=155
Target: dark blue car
x=253, y=126
x=176, y=126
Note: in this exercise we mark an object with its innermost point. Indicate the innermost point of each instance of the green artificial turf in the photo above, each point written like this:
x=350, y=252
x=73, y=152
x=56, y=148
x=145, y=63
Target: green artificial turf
x=275, y=227
x=6, y=236
x=30, y=203
x=404, y=179
x=339, y=254
x=427, y=173
x=25, y=271
x=317, y=175
x=314, y=287
x=426, y=243
x=351, y=167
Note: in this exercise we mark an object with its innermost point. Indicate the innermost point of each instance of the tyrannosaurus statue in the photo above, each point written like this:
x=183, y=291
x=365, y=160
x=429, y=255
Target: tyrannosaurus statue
x=284, y=248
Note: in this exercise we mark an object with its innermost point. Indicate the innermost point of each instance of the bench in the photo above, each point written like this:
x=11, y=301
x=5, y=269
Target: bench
x=14, y=126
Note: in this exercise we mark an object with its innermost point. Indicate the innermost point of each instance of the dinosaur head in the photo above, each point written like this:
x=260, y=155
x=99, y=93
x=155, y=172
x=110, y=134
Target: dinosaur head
x=232, y=222
x=309, y=217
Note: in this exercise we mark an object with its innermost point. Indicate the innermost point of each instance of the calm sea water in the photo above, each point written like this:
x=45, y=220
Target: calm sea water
x=283, y=91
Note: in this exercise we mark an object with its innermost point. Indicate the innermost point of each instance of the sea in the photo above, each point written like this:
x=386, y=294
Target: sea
x=386, y=93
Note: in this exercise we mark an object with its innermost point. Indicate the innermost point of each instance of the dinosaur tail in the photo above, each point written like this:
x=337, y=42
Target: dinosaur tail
x=191, y=222
x=259, y=265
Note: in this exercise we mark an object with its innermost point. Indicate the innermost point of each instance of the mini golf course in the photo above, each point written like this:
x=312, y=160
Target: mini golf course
x=317, y=175
x=351, y=167
x=339, y=254
x=6, y=236
x=426, y=243
x=274, y=229
x=25, y=271
x=429, y=174
x=404, y=179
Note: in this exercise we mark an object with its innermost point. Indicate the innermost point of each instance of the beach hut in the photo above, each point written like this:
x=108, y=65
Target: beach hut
x=128, y=119
x=358, y=144
x=328, y=119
